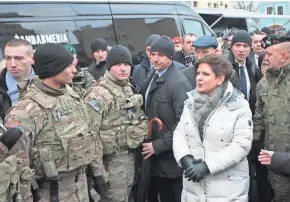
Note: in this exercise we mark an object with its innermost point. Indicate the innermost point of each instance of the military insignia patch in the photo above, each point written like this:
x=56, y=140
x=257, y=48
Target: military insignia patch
x=13, y=124
x=95, y=104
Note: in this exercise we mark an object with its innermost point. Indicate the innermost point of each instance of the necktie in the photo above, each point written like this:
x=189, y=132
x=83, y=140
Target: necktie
x=243, y=81
x=153, y=83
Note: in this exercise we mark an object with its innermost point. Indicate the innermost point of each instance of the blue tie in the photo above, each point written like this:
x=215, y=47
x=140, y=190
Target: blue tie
x=243, y=81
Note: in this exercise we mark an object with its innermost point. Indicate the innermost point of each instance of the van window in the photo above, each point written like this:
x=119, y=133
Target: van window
x=140, y=8
x=207, y=31
x=35, y=10
x=133, y=33
x=91, y=29
x=91, y=9
x=193, y=26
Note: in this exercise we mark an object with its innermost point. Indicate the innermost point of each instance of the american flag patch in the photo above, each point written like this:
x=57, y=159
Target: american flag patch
x=12, y=124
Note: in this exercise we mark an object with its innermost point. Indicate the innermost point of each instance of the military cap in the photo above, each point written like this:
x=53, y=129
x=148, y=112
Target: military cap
x=270, y=40
x=205, y=42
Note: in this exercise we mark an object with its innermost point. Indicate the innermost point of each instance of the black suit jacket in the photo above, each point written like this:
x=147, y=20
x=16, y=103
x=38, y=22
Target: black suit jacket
x=166, y=102
x=252, y=77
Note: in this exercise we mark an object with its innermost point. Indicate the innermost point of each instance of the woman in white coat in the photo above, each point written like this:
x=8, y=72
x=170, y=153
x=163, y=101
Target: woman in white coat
x=214, y=136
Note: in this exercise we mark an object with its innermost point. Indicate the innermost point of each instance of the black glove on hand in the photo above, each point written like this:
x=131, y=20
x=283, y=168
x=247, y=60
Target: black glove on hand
x=188, y=161
x=10, y=137
x=100, y=185
x=196, y=172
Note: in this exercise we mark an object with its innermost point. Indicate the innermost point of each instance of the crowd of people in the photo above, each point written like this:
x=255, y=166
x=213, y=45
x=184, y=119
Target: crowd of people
x=74, y=134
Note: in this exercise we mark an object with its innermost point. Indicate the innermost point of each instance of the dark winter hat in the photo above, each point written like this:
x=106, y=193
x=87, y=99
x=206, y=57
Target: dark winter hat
x=99, y=44
x=150, y=39
x=51, y=59
x=266, y=30
x=243, y=37
x=117, y=55
x=164, y=45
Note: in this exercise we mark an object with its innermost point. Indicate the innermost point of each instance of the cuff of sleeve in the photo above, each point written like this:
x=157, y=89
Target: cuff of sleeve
x=211, y=164
x=276, y=162
x=156, y=144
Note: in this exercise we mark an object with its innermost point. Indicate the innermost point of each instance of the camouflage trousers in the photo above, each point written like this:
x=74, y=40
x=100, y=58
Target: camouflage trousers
x=281, y=186
x=120, y=168
x=72, y=187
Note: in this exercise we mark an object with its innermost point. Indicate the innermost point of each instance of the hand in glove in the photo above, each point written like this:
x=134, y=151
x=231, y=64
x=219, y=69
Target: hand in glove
x=100, y=185
x=196, y=172
x=188, y=161
x=10, y=137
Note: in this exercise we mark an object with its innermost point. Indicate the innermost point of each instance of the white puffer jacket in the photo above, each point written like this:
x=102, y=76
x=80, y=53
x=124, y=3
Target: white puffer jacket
x=228, y=135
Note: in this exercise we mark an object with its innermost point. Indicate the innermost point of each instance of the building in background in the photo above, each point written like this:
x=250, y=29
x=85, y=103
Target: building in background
x=278, y=8
x=209, y=4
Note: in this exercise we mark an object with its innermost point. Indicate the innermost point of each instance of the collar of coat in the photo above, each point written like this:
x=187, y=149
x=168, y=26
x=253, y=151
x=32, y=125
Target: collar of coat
x=166, y=74
x=232, y=98
x=235, y=64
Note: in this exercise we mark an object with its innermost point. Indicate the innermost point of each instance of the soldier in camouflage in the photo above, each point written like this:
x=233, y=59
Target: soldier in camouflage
x=83, y=79
x=9, y=176
x=56, y=143
x=116, y=111
x=272, y=115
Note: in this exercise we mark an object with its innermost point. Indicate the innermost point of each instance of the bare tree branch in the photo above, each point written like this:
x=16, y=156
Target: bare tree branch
x=246, y=5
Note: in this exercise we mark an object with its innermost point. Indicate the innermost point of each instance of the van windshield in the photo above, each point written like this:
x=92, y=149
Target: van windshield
x=193, y=26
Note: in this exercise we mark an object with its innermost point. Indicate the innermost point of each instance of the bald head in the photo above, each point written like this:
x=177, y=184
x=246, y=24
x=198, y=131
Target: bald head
x=278, y=55
x=285, y=46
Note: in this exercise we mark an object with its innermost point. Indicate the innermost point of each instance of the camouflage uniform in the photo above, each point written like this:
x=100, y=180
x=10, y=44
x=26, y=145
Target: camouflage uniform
x=82, y=81
x=56, y=145
x=272, y=121
x=9, y=176
x=123, y=127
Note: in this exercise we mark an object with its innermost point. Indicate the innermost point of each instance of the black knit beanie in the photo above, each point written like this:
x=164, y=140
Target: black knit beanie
x=98, y=44
x=164, y=45
x=266, y=30
x=117, y=55
x=243, y=37
x=51, y=59
x=150, y=39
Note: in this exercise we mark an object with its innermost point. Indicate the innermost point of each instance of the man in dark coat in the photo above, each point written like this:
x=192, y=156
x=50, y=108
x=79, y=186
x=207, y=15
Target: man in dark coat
x=206, y=45
x=164, y=99
x=145, y=69
x=100, y=51
x=142, y=71
x=242, y=64
x=186, y=55
x=19, y=60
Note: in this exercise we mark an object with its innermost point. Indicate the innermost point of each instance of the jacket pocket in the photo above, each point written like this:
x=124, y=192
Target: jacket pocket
x=4, y=181
x=163, y=108
x=108, y=138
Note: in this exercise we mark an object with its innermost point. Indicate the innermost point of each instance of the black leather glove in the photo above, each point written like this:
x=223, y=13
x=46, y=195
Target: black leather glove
x=196, y=172
x=188, y=161
x=10, y=137
x=100, y=185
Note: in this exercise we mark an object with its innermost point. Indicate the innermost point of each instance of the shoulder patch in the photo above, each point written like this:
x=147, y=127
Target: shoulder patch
x=95, y=104
x=14, y=124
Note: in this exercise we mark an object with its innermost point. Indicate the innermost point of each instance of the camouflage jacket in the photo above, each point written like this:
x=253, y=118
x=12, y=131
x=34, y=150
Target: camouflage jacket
x=272, y=115
x=52, y=121
x=82, y=81
x=116, y=111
